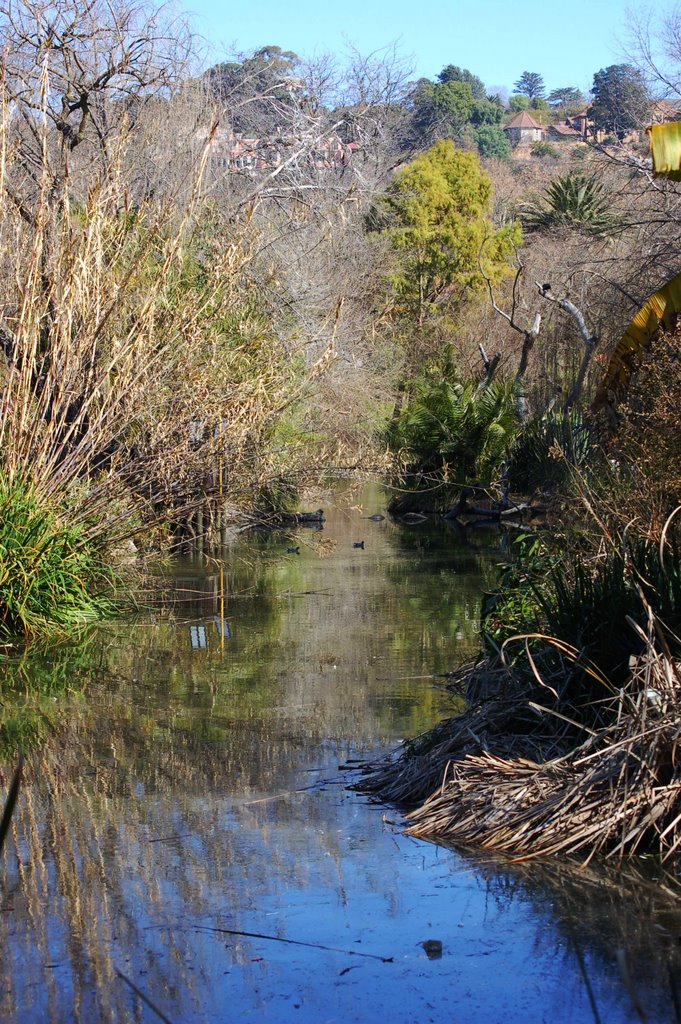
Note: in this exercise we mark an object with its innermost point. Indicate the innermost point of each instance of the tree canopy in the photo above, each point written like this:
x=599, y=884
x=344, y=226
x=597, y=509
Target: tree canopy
x=530, y=84
x=437, y=217
x=452, y=73
x=566, y=97
x=621, y=101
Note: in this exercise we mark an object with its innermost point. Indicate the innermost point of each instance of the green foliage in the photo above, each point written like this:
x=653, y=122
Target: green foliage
x=456, y=430
x=620, y=99
x=441, y=109
x=540, y=105
x=258, y=90
x=566, y=98
x=519, y=102
x=548, y=451
x=573, y=200
x=542, y=149
x=436, y=214
x=585, y=601
x=530, y=84
x=492, y=141
x=452, y=73
x=486, y=112
x=51, y=580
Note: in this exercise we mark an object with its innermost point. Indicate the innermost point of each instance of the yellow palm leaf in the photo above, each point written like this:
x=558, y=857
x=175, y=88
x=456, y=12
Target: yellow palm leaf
x=659, y=312
x=665, y=147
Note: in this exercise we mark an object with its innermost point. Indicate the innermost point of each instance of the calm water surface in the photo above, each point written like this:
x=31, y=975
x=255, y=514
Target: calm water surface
x=186, y=849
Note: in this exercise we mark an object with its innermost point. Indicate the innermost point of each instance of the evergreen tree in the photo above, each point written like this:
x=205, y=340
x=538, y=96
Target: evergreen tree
x=621, y=103
x=452, y=73
x=530, y=84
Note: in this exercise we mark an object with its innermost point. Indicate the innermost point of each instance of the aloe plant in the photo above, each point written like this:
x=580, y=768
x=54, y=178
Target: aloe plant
x=573, y=200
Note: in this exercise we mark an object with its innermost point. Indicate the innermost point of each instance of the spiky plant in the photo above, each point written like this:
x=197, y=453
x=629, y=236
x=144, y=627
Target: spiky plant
x=572, y=200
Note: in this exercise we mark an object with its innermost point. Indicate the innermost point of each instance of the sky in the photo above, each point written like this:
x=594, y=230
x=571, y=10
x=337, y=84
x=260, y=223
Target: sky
x=495, y=39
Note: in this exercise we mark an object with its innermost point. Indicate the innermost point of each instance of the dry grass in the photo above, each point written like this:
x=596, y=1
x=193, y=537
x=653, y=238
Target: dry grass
x=138, y=379
x=496, y=780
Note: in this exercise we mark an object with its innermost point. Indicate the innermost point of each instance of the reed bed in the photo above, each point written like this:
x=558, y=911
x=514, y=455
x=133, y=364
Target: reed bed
x=507, y=774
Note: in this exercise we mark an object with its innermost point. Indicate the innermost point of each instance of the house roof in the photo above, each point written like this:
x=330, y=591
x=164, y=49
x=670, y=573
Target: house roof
x=565, y=129
x=522, y=120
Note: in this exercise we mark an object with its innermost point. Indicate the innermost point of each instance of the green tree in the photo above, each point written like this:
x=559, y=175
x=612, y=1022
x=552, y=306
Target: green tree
x=620, y=99
x=437, y=214
x=488, y=112
x=491, y=140
x=519, y=102
x=451, y=73
x=441, y=110
x=258, y=90
x=530, y=84
x=566, y=98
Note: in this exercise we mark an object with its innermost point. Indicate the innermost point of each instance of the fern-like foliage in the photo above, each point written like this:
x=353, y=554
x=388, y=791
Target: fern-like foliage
x=457, y=430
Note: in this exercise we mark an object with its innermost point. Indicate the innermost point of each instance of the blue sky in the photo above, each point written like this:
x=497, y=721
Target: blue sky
x=496, y=39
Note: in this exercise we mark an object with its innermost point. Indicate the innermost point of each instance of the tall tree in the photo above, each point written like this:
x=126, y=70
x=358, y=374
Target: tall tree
x=566, y=97
x=530, y=84
x=620, y=99
x=258, y=91
x=436, y=213
x=440, y=110
x=452, y=73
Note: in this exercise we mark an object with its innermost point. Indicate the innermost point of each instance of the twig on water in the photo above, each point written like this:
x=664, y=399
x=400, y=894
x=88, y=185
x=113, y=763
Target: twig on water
x=294, y=942
x=145, y=999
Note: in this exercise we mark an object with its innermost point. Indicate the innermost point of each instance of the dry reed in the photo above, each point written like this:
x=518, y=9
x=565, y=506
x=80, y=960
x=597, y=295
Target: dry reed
x=497, y=777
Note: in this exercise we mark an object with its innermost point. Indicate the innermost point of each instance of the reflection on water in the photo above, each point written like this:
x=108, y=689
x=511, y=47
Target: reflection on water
x=188, y=814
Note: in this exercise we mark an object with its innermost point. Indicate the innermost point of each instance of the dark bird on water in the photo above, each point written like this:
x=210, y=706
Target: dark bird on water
x=311, y=517
x=376, y=518
x=358, y=544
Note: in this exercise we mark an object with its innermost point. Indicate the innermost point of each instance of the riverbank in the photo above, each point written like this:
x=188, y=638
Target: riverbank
x=569, y=742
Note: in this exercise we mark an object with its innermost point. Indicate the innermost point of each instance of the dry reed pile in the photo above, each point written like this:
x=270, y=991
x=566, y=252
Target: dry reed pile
x=497, y=778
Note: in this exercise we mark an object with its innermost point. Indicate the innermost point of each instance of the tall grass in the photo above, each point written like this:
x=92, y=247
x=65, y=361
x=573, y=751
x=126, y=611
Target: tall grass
x=51, y=577
x=139, y=378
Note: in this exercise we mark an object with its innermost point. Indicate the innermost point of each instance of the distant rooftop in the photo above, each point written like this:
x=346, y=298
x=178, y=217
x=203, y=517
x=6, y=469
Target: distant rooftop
x=522, y=120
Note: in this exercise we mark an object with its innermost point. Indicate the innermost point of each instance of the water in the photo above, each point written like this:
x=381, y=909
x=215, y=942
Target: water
x=185, y=845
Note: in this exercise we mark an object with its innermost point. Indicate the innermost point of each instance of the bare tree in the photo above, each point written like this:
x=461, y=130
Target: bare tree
x=78, y=73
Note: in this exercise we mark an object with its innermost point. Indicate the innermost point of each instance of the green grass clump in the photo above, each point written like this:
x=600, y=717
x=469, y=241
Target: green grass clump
x=52, y=581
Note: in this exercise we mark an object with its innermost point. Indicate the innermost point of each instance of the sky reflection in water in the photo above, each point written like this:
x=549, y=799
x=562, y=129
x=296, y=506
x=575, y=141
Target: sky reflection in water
x=192, y=794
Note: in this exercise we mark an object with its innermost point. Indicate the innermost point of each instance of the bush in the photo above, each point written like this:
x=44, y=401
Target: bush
x=542, y=149
x=585, y=602
x=548, y=450
x=51, y=579
x=454, y=430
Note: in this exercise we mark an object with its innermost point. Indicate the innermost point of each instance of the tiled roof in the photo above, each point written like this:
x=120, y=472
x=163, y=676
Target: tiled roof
x=565, y=129
x=522, y=120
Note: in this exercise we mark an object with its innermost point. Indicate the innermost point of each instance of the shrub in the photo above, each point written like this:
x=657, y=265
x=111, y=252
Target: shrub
x=51, y=578
x=542, y=149
x=456, y=430
x=548, y=450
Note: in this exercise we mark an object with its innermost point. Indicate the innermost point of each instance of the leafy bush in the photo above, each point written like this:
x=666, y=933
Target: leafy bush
x=542, y=149
x=456, y=430
x=51, y=579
